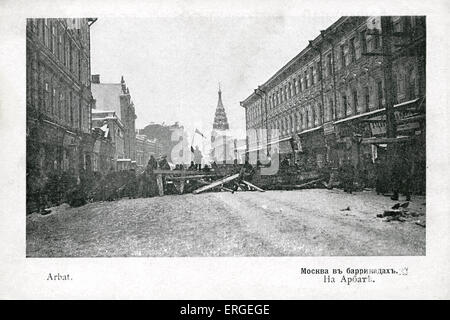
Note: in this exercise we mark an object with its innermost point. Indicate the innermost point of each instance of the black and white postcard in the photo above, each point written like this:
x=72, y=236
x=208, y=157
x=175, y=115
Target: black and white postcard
x=224, y=150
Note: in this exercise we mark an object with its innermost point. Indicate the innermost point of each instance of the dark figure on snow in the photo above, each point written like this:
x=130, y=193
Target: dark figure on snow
x=381, y=175
x=132, y=185
x=36, y=182
x=245, y=173
x=284, y=163
x=192, y=166
x=164, y=164
x=77, y=196
x=401, y=176
x=152, y=163
x=347, y=174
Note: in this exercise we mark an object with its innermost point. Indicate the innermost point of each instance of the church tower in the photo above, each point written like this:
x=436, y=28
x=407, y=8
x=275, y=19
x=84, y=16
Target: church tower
x=220, y=151
x=220, y=118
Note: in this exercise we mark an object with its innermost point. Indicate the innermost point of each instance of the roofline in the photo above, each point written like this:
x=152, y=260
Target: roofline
x=293, y=60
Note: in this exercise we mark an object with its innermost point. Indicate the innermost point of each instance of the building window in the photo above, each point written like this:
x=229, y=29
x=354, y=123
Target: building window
x=411, y=86
x=342, y=56
x=60, y=46
x=355, y=102
x=329, y=65
x=54, y=38
x=344, y=104
x=47, y=33
x=352, y=50
x=366, y=99
x=363, y=43
x=53, y=101
x=376, y=43
x=380, y=93
x=320, y=118
x=306, y=79
x=311, y=74
x=330, y=110
x=397, y=24
x=295, y=86
x=319, y=71
x=60, y=105
x=71, y=115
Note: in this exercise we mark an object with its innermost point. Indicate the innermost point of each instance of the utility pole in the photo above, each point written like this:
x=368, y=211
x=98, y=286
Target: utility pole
x=387, y=34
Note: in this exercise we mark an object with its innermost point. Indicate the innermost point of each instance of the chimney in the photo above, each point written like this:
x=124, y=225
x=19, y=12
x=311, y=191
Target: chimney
x=95, y=78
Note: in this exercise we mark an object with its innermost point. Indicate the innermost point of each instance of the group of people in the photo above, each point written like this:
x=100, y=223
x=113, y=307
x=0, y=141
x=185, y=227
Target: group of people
x=388, y=178
x=44, y=191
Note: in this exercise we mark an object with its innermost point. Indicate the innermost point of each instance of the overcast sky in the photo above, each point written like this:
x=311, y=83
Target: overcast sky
x=173, y=65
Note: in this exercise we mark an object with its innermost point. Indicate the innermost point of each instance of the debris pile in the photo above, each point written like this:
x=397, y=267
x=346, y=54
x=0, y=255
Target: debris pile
x=400, y=212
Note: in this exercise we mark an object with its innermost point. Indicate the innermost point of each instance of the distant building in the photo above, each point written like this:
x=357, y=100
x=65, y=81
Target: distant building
x=145, y=148
x=113, y=129
x=162, y=134
x=113, y=104
x=58, y=96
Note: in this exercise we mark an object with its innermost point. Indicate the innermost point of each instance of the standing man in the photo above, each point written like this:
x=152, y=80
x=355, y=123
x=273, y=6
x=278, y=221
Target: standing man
x=164, y=164
x=401, y=175
x=198, y=158
x=347, y=173
x=152, y=163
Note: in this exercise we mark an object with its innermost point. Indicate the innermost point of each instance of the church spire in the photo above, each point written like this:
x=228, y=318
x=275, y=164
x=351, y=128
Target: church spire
x=220, y=118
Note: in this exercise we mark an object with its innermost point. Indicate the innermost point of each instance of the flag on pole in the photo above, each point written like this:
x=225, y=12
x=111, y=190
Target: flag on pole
x=198, y=131
x=192, y=149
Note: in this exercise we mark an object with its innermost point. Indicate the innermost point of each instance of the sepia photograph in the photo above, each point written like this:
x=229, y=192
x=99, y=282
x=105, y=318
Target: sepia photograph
x=192, y=136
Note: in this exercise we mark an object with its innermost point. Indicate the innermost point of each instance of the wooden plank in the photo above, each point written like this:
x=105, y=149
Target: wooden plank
x=182, y=172
x=159, y=182
x=298, y=186
x=216, y=183
x=189, y=177
x=308, y=183
x=252, y=186
x=182, y=187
